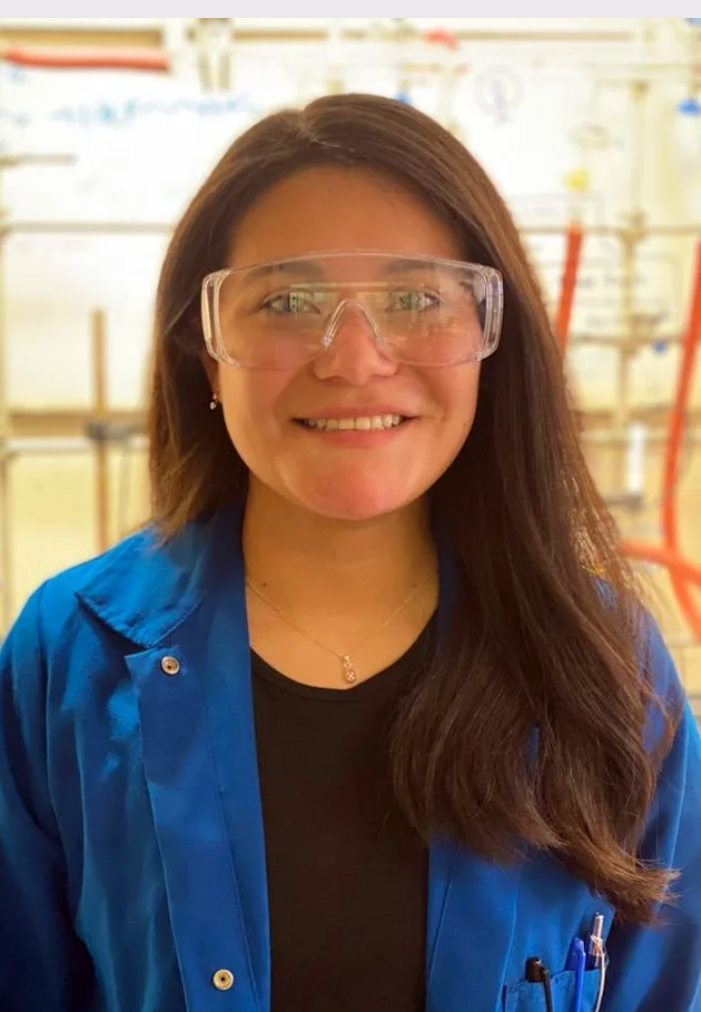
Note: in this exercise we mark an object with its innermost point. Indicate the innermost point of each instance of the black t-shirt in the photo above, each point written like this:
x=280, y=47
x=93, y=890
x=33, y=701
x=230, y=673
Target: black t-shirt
x=347, y=877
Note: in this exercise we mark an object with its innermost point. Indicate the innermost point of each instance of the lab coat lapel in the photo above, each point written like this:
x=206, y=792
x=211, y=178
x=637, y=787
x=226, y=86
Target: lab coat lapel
x=471, y=918
x=471, y=901
x=200, y=762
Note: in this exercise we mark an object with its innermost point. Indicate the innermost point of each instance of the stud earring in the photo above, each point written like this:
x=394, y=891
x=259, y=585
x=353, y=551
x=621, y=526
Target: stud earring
x=213, y=403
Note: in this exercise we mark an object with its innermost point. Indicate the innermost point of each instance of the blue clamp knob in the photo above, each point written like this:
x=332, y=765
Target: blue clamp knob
x=689, y=107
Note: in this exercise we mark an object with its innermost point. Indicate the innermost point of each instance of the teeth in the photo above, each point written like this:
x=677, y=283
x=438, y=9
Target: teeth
x=363, y=424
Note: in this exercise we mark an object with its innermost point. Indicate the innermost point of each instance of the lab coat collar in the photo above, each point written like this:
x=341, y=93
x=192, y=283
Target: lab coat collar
x=145, y=587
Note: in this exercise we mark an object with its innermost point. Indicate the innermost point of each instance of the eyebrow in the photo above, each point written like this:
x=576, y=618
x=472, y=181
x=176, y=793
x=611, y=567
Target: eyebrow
x=312, y=269
x=304, y=268
x=409, y=263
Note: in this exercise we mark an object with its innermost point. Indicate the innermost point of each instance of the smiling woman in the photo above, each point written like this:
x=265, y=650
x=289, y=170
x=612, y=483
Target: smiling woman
x=384, y=327
x=351, y=724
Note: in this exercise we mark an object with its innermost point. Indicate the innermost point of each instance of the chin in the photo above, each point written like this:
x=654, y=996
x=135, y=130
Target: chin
x=355, y=504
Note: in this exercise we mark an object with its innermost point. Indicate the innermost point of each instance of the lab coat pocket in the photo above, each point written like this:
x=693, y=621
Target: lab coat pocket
x=528, y=997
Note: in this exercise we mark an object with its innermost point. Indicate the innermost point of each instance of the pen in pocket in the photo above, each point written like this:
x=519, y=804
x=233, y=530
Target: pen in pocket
x=536, y=973
x=577, y=961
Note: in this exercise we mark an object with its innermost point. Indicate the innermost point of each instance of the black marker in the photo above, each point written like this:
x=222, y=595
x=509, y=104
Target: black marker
x=536, y=973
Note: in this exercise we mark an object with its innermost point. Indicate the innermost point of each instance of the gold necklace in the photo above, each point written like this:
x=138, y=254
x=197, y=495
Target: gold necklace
x=348, y=668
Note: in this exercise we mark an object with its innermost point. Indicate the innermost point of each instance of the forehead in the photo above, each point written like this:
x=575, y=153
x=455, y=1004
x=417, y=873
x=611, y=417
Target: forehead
x=327, y=208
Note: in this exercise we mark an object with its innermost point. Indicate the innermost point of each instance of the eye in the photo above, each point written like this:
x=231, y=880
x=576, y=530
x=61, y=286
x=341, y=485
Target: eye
x=415, y=300
x=291, y=303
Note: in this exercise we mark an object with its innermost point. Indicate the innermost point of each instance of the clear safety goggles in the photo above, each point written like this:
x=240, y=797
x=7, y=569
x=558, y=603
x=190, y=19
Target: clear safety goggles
x=422, y=311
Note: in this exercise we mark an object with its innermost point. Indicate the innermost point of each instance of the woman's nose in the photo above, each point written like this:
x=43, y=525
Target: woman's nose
x=354, y=351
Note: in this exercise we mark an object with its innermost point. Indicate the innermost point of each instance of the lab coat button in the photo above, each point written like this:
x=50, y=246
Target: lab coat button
x=223, y=980
x=170, y=665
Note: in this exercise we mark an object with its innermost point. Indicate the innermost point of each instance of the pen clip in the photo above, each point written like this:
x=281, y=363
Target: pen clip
x=595, y=944
x=597, y=939
x=547, y=989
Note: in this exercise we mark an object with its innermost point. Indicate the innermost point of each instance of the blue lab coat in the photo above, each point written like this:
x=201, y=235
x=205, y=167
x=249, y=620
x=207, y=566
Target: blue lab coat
x=132, y=865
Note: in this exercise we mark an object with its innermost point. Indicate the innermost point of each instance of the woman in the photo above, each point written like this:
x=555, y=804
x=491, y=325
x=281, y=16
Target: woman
x=352, y=724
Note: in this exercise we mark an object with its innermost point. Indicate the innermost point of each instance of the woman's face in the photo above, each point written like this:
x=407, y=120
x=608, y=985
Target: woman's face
x=337, y=472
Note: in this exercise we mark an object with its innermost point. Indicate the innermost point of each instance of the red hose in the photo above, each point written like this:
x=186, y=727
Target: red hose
x=661, y=555
x=670, y=526
x=679, y=568
x=86, y=59
x=568, y=284
x=442, y=37
x=681, y=571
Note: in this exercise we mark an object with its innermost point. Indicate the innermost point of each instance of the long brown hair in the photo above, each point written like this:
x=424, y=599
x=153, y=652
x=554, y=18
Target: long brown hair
x=538, y=644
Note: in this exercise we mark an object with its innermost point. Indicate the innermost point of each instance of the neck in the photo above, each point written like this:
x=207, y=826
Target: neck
x=310, y=564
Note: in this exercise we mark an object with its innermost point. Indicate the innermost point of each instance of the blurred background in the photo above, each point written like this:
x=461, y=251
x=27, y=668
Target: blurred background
x=591, y=127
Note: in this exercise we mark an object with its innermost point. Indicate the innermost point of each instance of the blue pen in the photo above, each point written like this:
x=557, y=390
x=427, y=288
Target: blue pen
x=577, y=961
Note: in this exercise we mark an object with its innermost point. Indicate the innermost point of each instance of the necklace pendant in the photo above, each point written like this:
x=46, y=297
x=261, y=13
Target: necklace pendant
x=349, y=673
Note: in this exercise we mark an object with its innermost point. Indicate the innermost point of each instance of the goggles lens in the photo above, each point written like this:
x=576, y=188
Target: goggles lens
x=421, y=311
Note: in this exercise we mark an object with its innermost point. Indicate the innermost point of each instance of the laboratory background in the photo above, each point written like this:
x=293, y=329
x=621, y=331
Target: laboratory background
x=591, y=128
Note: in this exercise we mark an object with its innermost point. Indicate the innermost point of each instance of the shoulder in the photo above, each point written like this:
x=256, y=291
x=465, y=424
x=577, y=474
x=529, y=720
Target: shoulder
x=49, y=615
x=672, y=732
x=55, y=647
x=133, y=589
x=655, y=661
x=68, y=644
x=661, y=674
x=140, y=590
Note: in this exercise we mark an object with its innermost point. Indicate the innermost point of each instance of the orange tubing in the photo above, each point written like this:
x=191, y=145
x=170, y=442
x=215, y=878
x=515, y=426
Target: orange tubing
x=681, y=571
x=86, y=59
x=670, y=526
x=660, y=555
x=442, y=37
x=568, y=284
